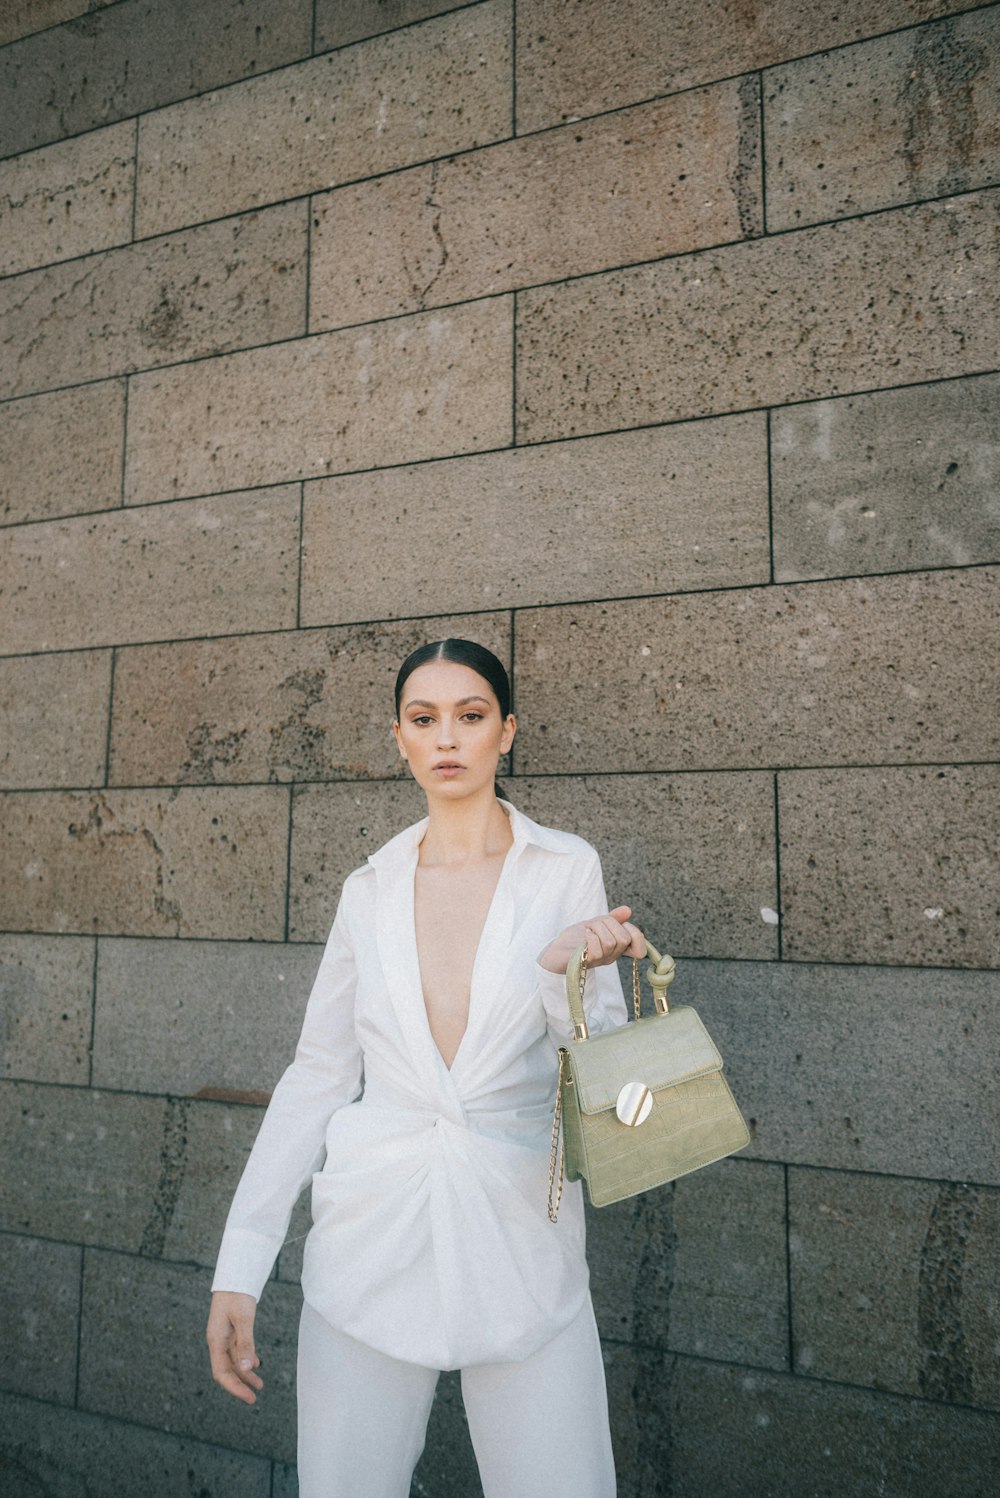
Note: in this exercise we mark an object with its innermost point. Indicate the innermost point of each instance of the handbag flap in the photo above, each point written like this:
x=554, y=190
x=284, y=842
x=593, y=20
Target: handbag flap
x=659, y=1051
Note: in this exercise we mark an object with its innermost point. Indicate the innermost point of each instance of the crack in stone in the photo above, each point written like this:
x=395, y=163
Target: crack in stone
x=173, y=1164
x=430, y=201
x=944, y=1366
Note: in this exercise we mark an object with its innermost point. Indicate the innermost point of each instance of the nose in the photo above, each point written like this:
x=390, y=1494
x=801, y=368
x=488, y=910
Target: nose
x=446, y=733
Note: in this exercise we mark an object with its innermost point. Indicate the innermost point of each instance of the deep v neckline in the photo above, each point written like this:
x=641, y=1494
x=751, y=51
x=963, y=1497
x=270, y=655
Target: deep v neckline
x=486, y=936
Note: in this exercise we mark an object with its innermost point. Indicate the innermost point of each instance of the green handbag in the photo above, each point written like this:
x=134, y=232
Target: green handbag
x=640, y=1105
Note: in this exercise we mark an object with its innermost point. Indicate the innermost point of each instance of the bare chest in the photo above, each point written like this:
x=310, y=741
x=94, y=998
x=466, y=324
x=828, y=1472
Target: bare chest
x=451, y=904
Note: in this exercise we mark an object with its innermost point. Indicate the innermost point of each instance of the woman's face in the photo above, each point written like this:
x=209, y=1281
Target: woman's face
x=450, y=729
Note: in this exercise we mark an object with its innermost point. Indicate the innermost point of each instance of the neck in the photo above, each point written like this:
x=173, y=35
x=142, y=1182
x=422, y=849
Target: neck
x=465, y=831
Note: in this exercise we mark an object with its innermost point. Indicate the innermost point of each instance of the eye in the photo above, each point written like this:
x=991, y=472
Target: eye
x=421, y=720
x=473, y=717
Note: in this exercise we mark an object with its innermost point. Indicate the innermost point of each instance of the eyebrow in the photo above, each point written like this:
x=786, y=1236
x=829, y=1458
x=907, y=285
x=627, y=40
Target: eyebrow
x=462, y=702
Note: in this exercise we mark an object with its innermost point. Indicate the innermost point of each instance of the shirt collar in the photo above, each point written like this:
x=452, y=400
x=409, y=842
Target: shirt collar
x=402, y=848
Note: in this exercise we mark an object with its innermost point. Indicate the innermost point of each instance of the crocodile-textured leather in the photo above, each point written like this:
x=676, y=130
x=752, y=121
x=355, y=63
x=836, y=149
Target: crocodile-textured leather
x=694, y=1119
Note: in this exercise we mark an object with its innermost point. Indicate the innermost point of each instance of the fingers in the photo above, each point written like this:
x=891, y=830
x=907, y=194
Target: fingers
x=231, y=1347
x=611, y=936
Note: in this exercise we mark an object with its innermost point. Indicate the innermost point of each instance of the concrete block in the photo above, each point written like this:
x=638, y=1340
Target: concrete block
x=23, y=17
x=890, y=865
x=636, y=185
x=698, y=1266
x=579, y=57
x=136, y=56
x=47, y=984
x=912, y=115
x=123, y=1297
x=334, y=828
x=72, y=1455
x=62, y=453
x=693, y=855
x=146, y=863
x=303, y=705
x=894, y=298
x=39, y=1313
x=83, y=1166
x=835, y=672
x=209, y=566
x=833, y=1065
x=895, y=480
x=397, y=392
x=687, y=505
x=372, y=108
x=339, y=22
x=198, y=1017
x=55, y=709
x=67, y=199
x=218, y=287
x=893, y=1284
x=736, y=1432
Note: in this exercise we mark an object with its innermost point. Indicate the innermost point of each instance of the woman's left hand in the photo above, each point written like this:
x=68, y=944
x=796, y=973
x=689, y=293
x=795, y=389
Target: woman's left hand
x=608, y=937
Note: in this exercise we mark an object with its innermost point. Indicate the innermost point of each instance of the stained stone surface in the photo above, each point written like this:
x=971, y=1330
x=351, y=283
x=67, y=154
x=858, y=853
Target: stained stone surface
x=303, y=705
x=23, y=17
x=891, y=865
x=658, y=180
x=216, y=565
x=123, y=1295
x=83, y=1166
x=397, y=392
x=183, y=296
x=844, y=672
x=814, y=1093
x=48, y=1450
x=786, y=1437
x=880, y=483
x=47, y=983
x=38, y=1317
x=687, y=505
x=192, y=862
x=698, y=1266
x=136, y=55
x=763, y=323
x=693, y=855
x=188, y=1017
x=930, y=100
x=62, y=452
x=67, y=199
x=373, y=108
x=55, y=714
x=579, y=57
x=894, y=1285
x=339, y=22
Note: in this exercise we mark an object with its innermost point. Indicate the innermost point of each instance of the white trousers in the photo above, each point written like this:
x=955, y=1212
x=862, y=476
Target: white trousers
x=539, y=1428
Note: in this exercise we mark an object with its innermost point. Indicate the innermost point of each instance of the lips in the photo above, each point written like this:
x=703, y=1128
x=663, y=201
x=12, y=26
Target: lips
x=445, y=765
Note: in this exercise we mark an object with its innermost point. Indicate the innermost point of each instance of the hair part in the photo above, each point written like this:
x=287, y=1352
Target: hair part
x=462, y=653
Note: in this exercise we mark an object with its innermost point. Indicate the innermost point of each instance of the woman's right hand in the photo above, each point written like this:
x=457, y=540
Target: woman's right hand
x=230, y=1344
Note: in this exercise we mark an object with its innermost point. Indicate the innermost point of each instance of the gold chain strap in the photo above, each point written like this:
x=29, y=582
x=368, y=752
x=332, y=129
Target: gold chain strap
x=636, y=988
x=557, y=1155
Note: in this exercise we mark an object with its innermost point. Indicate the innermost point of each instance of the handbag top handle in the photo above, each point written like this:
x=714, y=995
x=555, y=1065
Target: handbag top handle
x=660, y=972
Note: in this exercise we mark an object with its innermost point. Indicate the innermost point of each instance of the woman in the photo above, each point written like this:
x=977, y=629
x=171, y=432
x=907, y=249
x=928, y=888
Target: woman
x=425, y=1078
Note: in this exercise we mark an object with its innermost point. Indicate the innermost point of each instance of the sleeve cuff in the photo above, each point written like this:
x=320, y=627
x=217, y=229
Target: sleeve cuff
x=245, y=1262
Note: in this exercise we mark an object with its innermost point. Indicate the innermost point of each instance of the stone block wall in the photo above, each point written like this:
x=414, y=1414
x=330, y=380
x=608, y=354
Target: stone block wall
x=655, y=346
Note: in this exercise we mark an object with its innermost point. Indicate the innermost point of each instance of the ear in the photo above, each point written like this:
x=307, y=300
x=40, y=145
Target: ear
x=509, y=730
x=399, y=742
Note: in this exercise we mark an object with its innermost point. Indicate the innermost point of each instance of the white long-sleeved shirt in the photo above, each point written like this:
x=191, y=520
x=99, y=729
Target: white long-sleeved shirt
x=430, y=1239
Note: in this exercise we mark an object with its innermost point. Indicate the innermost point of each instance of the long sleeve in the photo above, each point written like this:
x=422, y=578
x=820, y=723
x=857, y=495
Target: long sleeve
x=325, y=1075
x=603, y=1002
